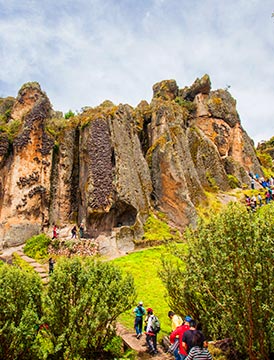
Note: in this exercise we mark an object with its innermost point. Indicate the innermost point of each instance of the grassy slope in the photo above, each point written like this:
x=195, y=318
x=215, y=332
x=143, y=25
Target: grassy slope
x=144, y=266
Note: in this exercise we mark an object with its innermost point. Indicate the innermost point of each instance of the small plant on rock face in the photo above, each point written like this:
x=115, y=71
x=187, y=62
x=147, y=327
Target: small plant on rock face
x=233, y=181
x=69, y=114
x=212, y=182
x=189, y=105
x=158, y=230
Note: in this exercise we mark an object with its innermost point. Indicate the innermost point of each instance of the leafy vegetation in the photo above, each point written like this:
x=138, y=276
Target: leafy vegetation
x=69, y=114
x=37, y=247
x=234, y=183
x=228, y=279
x=189, y=105
x=20, y=311
x=264, y=152
x=55, y=126
x=83, y=301
x=11, y=128
x=157, y=230
x=72, y=318
x=211, y=182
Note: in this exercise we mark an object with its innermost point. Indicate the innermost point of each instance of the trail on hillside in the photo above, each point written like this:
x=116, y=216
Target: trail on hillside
x=128, y=336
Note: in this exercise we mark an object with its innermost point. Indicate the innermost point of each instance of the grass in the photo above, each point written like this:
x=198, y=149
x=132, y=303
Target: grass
x=144, y=266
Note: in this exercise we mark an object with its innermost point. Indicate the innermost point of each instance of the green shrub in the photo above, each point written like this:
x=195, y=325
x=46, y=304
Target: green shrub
x=37, y=247
x=55, y=126
x=69, y=114
x=11, y=128
x=83, y=300
x=265, y=159
x=228, y=279
x=189, y=105
x=20, y=312
x=234, y=183
x=211, y=182
x=158, y=230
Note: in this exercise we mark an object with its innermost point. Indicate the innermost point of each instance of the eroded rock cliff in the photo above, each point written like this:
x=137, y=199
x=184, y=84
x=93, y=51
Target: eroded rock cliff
x=110, y=166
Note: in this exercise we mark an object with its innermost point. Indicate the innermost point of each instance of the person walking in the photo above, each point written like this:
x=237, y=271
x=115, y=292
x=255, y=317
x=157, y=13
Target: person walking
x=179, y=351
x=81, y=230
x=73, y=232
x=188, y=336
x=176, y=320
x=51, y=265
x=198, y=351
x=54, y=232
x=139, y=312
x=151, y=332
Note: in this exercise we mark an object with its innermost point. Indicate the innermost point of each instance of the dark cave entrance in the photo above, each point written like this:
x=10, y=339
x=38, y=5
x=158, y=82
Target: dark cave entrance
x=120, y=214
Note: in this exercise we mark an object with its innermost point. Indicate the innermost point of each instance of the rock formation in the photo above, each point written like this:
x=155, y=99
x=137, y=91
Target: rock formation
x=111, y=166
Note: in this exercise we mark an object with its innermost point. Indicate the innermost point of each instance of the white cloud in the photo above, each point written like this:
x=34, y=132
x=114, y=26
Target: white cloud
x=83, y=52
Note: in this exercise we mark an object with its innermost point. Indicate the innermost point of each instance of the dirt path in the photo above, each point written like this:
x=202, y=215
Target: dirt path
x=139, y=345
x=42, y=270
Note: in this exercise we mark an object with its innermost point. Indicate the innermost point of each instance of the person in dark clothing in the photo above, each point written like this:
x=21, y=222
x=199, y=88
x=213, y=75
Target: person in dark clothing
x=139, y=312
x=73, y=232
x=51, y=265
x=188, y=336
x=81, y=230
x=198, y=351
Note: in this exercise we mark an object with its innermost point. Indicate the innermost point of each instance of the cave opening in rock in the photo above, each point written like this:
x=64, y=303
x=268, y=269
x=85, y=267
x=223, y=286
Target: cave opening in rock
x=120, y=214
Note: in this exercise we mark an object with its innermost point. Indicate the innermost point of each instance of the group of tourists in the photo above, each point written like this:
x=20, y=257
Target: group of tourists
x=252, y=202
x=187, y=341
x=151, y=326
x=74, y=231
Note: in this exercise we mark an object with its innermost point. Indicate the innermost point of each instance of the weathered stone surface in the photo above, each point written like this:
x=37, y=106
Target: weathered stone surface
x=166, y=90
x=112, y=165
x=200, y=86
x=6, y=104
x=221, y=105
x=25, y=185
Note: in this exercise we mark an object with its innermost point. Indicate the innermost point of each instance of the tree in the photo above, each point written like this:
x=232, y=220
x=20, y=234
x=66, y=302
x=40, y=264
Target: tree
x=20, y=312
x=226, y=280
x=83, y=300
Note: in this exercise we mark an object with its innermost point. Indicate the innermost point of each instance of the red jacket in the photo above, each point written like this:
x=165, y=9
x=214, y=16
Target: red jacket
x=180, y=330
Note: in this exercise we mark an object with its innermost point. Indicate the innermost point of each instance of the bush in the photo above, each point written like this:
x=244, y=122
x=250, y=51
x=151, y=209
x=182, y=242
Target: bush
x=69, y=114
x=228, y=279
x=83, y=301
x=20, y=312
x=158, y=230
x=234, y=183
x=37, y=247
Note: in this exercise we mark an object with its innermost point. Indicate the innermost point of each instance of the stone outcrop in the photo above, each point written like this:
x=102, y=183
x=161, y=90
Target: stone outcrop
x=110, y=166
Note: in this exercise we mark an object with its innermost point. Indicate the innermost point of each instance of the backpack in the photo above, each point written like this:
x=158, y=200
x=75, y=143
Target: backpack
x=155, y=324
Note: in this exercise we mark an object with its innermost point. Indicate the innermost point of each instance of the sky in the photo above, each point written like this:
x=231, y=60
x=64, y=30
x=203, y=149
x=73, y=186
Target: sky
x=83, y=52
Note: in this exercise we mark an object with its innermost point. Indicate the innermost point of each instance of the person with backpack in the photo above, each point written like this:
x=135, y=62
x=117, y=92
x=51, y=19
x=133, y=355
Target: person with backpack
x=139, y=312
x=152, y=329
